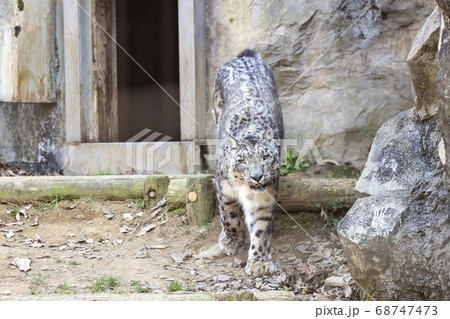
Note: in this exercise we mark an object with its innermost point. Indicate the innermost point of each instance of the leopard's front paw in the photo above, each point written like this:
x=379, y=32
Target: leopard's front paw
x=260, y=268
x=229, y=245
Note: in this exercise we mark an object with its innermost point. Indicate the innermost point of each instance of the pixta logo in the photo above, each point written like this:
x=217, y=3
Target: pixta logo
x=148, y=152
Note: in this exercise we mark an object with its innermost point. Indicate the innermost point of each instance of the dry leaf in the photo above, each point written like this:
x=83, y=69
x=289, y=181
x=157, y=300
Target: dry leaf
x=21, y=212
x=146, y=229
x=128, y=217
x=108, y=215
x=10, y=230
x=347, y=278
x=125, y=229
x=41, y=257
x=90, y=256
x=180, y=257
x=158, y=247
x=117, y=242
x=210, y=253
x=333, y=237
x=281, y=278
x=36, y=222
x=23, y=264
x=141, y=253
x=347, y=291
x=36, y=245
x=335, y=281
x=303, y=249
x=156, y=212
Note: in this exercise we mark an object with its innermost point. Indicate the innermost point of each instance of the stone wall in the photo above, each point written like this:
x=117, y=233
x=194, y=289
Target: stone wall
x=31, y=134
x=358, y=84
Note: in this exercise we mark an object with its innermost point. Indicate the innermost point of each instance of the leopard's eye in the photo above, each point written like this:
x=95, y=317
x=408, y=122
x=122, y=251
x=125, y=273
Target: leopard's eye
x=266, y=157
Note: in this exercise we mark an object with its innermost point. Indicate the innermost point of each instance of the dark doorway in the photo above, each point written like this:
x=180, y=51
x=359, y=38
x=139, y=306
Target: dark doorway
x=148, y=31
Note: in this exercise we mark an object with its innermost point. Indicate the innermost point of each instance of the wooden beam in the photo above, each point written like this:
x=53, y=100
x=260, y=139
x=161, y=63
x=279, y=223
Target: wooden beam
x=71, y=76
x=295, y=194
x=191, y=25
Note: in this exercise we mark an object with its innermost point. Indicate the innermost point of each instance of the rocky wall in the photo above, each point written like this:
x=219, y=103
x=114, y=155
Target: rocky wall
x=339, y=96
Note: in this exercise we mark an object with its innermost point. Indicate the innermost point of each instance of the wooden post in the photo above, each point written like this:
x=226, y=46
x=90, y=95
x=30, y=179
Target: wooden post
x=105, y=124
x=200, y=203
x=155, y=187
x=191, y=30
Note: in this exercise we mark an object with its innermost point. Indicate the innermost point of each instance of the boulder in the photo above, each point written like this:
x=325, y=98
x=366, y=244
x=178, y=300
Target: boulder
x=397, y=240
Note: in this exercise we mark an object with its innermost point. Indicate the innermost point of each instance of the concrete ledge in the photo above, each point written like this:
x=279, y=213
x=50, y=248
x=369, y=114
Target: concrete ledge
x=129, y=158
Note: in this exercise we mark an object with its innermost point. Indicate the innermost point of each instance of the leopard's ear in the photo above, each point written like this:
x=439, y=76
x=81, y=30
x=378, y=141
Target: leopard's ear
x=232, y=142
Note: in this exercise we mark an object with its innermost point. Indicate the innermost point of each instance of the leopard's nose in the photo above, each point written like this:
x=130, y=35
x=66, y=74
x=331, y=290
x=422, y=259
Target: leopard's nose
x=257, y=177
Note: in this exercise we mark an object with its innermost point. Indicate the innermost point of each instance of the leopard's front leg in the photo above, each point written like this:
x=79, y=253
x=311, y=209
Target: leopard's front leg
x=260, y=221
x=232, y=236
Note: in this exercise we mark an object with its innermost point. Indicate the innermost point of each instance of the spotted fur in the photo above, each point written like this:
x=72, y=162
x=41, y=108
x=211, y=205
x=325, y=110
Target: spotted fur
x=250, y=128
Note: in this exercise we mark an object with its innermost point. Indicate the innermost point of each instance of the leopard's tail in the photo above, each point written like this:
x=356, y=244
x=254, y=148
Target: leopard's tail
x=249, y=53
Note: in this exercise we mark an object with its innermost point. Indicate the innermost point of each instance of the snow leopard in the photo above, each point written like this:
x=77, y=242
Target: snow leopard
x=249, y=133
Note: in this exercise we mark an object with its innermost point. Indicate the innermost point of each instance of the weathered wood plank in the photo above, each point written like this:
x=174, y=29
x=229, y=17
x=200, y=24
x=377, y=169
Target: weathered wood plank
x=104, y=72
x=192, y=68
x=200, y=200
x=155, y=188
x=27, y=44
x=71, y=70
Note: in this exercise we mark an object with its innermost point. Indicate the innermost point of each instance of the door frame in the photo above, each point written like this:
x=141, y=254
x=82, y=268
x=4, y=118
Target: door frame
x=91, y=117
x=90, y=64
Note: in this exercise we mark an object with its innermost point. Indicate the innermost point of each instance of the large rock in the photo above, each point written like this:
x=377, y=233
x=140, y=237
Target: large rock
x=339, y=96
x=422, y=66
x=443, y=80
x=397, y=240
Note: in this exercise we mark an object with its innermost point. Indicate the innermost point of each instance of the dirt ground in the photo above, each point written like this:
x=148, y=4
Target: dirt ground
x=88, y=247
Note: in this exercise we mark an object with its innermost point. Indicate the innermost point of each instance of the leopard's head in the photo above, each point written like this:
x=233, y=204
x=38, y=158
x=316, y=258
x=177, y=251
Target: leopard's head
x=255, y=160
